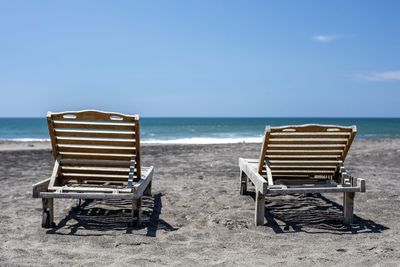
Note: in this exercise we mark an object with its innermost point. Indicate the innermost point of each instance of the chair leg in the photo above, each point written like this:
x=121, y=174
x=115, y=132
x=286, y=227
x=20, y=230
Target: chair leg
x=78, y=203
x=243, y=183
x=47, y=212
x=133, y=214
x=260, y=208
x=147, y=191
x=136, y=212
x=348, y=207
x=139, y=212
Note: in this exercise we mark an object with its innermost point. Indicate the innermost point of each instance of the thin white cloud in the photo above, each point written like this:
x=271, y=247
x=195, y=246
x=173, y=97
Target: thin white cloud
x=380, y=76
x=325, y=38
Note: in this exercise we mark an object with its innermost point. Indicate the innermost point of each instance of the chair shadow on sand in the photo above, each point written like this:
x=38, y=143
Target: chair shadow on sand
x=102, y=216
x=312, y=213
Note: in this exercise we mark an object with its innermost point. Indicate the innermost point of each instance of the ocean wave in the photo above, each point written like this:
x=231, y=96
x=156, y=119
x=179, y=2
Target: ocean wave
x=25, y=139
x=190, y=140
x=205, y=140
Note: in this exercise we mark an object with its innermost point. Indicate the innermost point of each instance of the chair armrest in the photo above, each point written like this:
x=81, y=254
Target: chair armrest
x=144, y=181
x=250, y=169
x=41, y=186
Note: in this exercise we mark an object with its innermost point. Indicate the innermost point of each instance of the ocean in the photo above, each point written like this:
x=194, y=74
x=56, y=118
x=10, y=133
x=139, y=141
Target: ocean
x=206, y=130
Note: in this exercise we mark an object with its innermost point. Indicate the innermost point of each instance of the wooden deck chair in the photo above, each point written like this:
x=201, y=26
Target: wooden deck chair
x=97, y=156
x=302, y=159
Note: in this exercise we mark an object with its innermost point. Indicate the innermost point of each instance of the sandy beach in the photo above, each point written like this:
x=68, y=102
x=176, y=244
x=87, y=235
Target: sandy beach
x=197, y=217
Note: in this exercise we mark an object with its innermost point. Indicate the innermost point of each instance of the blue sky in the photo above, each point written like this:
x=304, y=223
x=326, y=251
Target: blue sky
x=201, y=58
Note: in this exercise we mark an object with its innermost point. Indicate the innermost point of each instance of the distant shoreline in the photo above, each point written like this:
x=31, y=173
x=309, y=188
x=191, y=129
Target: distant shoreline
x=204, y=130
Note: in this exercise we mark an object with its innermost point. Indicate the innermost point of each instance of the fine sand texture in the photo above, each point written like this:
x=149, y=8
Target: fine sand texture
x=196, y=216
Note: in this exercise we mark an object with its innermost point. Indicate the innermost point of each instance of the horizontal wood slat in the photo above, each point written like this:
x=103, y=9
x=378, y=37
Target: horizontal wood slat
x=305, y=172
x=287, y=167
x=81, y=155
x=305, y=162
x=304, y=152
x=306, y=146
x=301, y=180
x=94, y=125
x=96, y=162
x=305, y=157
x=310, y=135
x=306, y=177
x=94, y=170
x=97, y=177
x=96, y=149
x=93, y=133
x=95, y=141
x=308, y=141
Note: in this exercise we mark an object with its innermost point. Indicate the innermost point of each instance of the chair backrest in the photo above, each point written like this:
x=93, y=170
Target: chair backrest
x=95, y=145
x=305, y=151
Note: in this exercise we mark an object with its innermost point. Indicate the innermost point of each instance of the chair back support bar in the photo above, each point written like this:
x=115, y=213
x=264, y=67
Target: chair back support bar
x=305, y=151
x=94, y=146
